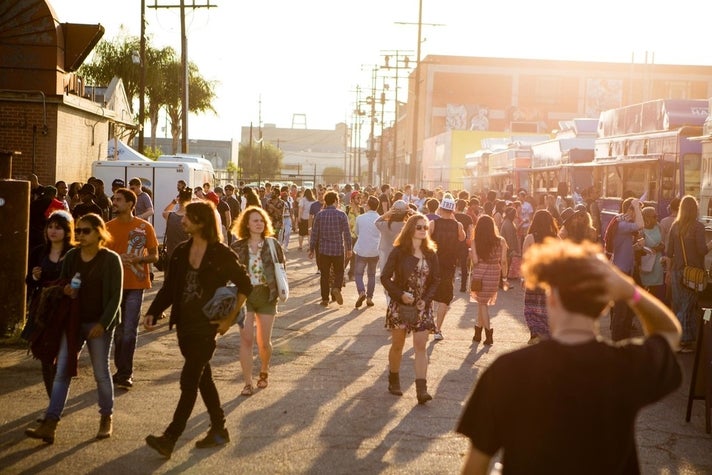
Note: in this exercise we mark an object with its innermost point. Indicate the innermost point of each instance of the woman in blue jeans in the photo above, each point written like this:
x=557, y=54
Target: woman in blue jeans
x=95, y=313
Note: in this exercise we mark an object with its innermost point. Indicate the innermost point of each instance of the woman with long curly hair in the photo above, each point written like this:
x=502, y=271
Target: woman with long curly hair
x=489, y=258
x=411, y=277
x=686, y=247
x=254, y=236
x=543, y=226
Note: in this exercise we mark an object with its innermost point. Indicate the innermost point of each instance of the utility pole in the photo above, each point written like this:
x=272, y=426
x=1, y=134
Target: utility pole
x=185, y=99
x=412, y=173
x=142, y=78
x=371, y=100
x=394, y=60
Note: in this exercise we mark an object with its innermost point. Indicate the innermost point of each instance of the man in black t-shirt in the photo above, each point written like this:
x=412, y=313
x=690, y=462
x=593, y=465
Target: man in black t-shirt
x=448, y=234
x=568, y=405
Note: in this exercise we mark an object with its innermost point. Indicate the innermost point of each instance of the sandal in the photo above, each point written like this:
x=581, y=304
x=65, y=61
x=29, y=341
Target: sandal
x=262, y=382
x=247, y=390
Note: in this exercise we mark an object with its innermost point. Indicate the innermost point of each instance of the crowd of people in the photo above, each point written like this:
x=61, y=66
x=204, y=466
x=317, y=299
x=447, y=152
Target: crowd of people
x=418, y=242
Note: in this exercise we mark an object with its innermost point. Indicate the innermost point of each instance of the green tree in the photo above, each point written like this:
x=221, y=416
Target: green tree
x=201, y=93
x=334, y=174
x=163, y=80
x=261, y=161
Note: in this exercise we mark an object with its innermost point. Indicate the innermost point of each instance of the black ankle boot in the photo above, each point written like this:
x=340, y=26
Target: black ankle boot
x=421, y=391
x=394, y=384
x=488, y=336
x=478, y=334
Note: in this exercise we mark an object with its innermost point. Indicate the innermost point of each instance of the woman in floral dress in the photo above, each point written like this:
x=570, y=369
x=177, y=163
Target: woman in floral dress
x=410, y=277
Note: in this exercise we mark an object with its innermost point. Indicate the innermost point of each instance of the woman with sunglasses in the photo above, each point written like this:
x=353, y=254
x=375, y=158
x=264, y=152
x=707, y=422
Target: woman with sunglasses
x=96, y=304
x=411, y=276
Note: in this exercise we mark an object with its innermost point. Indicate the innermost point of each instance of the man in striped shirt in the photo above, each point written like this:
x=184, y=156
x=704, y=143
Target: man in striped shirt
x=330, y=241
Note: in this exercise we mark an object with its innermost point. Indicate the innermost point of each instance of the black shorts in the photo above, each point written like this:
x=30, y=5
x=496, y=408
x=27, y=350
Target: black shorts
x=444, y=292
x=304, y=227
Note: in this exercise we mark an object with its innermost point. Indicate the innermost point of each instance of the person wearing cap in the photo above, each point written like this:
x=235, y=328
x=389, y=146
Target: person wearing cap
x=144, y=204
x=232, y=201
x=86, y=204
x=577, y=225
x=533, y=403
x=220, y=210
x=330, y=242
x=446, y=232
x=134, y=239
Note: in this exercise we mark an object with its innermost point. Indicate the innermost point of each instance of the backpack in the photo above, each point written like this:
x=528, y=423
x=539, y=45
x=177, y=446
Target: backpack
x=609, y=236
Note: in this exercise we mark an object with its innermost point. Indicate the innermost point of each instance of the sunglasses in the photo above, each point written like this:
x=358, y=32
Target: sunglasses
x=421, y=227
x=80, y=231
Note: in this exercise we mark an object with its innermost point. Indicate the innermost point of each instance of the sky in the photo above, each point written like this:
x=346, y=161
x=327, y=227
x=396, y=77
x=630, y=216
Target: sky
x=291, y=62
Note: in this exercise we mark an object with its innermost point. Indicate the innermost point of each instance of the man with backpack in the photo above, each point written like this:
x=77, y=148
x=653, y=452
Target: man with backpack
x=619, y=239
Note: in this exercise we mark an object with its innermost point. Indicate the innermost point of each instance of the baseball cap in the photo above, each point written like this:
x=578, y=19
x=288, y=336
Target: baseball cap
x=118, y=182
x=400, y=205
x=448, y=203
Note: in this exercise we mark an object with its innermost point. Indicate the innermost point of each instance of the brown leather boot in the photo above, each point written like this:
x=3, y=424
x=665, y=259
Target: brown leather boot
x=44, y=431
x=394, y=384
x=488, y=335
x=106, y=427
x=478, y=334
x=421, y=391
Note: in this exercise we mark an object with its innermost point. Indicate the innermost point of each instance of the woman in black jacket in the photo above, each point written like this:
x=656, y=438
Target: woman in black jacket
x=410, y=277
x=197, y=268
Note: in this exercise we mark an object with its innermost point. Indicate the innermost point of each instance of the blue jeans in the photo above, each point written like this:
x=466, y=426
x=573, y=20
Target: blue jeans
x=360, y=267
x=684, y=304
x=127, y=333
x=286, y=232
x=99, y=349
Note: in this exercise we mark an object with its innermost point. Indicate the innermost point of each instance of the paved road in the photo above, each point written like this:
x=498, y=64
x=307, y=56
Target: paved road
x=326, y=410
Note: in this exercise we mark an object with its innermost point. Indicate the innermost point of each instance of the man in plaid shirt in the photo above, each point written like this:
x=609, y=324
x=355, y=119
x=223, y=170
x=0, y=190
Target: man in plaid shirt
x=331, y=241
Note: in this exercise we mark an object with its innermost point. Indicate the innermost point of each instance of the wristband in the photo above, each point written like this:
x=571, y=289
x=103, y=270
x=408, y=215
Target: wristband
x=637, y=296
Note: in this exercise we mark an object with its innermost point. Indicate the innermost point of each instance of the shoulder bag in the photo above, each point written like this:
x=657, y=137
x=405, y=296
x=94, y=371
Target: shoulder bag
x=409, y=313
x=162, y=261
x=280, y=273
x=693, y=277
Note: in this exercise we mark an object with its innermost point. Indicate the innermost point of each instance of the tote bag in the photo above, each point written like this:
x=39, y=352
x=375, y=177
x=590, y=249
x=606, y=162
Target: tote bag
x=280, y=273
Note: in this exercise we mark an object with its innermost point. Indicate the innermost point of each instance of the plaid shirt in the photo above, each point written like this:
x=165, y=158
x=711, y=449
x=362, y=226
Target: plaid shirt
x=330, y=233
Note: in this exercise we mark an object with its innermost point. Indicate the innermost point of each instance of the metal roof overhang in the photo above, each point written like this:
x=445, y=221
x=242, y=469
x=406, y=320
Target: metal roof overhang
x=603, y=163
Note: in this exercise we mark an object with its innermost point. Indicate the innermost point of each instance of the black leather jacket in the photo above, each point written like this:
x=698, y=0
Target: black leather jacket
x=219, y=265
x=400, y=266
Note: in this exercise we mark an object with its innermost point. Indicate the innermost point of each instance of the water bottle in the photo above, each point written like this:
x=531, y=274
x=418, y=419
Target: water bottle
x=76, y=281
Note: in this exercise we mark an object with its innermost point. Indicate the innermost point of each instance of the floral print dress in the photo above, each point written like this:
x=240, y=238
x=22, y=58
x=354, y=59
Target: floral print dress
x=416, y=285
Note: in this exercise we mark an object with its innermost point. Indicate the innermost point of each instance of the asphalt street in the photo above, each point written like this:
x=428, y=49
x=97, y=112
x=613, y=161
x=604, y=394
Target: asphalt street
x=326, y=409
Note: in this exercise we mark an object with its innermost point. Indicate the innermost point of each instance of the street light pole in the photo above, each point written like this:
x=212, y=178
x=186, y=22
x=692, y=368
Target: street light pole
x=142, y=78
x=413, y=165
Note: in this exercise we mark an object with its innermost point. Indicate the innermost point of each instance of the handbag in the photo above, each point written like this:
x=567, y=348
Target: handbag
x=693, y=277
x=280, y=273
x=647, y=261
x=408, y=313
x=162, y=261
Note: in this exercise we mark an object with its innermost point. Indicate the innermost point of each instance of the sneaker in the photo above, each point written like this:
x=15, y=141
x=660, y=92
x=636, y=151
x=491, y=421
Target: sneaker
x=163, y=444
x=213, y=439
x=105, y=427
x=336, y=295
x=324, y=303
x=369, y=302
x=438, y=336
x=123, y=383
x=360, y=300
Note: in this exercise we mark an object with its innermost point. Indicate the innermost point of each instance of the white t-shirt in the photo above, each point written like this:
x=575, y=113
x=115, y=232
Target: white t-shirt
x=304, y=205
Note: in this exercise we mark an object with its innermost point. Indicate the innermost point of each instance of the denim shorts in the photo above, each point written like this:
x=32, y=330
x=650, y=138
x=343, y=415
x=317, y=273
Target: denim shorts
x=258, y=301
